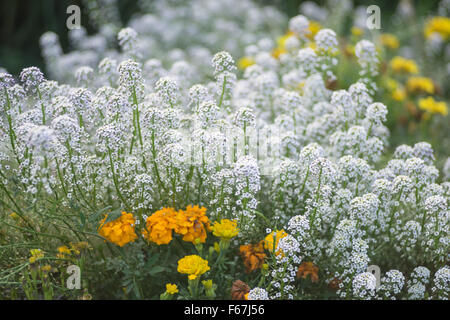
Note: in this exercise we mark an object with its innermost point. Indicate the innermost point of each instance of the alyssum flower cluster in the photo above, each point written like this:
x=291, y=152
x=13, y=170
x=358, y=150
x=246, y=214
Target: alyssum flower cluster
x=265, y=182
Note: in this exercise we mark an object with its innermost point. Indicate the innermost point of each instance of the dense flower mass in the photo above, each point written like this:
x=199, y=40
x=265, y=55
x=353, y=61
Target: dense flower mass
x=271, y=158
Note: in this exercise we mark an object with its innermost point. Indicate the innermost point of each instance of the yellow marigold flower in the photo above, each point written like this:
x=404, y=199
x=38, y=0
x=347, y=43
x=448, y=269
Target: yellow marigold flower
x=281, y=41
x=193, y=265
x=313, y=28
x=357, y=32
x=350, y=50
x=119, y=231
x=193, y=223
x=225, y=229
x=14, y=216
x=63, y=250
x=432, y=106
x=312, y=45
x=391, y=84
x=159, y=226
x=274, y=236
x=389, y=41
x=245, y=62
x=171, y=288
x=420, y=84
x=47, y=268
x=438, y=25
x=399, y=94
x=402, y=65
x=36, y=254
x=277, y=52
x=77, y=247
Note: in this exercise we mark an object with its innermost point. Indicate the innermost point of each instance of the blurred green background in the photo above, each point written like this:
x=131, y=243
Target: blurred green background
x=22, y=22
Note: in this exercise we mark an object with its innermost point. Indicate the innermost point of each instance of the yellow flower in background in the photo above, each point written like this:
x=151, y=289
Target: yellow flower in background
x=397, y=91
x=391, y=84
x=403, y=65
x=160, y=225
x=420, y=84
x=225, y=229
x=312, y=45
x=350, y=50
x=430, y=105
x=313, y=28
x=245, y=62
x=77, y=247
x=119, y=231
x=281, y=41
x=63, y=252
x=389, y=41
x=357, y=32
x=47, y=268
x=274, y=237
x=35, y=255
x=277, y=52
x=14, y=216
x=399, y=94
x=438, y=25
x=192, y=223
x=171, y=288
x=193, y=265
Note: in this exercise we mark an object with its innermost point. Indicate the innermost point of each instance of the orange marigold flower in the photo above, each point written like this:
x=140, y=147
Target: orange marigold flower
x=308, y=269
x=119, y=231
x=239, y=290
x=192, y=224
x=159, y=226
x=334, y=284
x=253, y=256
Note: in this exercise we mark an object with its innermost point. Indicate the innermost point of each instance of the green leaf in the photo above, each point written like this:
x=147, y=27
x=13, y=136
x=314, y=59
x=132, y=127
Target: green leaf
x=156, y=270
x=97, y=216
x=113, y=215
